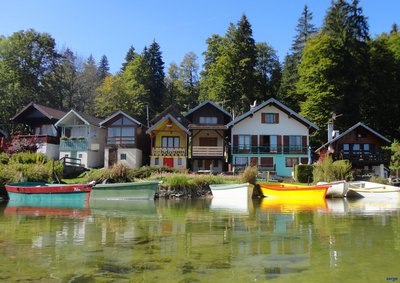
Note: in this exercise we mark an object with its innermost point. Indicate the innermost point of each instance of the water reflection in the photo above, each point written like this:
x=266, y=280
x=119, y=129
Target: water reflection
x=196, y=241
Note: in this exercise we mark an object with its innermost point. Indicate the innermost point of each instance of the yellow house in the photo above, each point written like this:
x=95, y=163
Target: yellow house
x=169, y=139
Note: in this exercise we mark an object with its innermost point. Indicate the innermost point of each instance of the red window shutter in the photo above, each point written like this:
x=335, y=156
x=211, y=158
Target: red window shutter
x=254, y=140
x=285, y=144
x=304, y=144
x=279, y=138
x=304, y=160
x=261, y=140
x=263, y=118
x=235, y=140
x=277, y=118
x=253, y=161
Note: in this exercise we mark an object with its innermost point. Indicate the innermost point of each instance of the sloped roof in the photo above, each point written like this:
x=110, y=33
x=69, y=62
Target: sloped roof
x=359, y=124
x=173, y=111
x=120, y=113
x=87, y=119
x=211, y=103
x=279, y=105
x=168, y=116
x=49, y=112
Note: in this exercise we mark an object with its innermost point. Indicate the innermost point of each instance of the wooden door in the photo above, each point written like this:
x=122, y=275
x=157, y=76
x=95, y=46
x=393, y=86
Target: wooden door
x=112, y=156
x=207, y=164
x=167, y=161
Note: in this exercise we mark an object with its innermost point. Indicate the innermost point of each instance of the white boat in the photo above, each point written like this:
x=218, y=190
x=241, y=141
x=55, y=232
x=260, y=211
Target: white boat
x=372, y=190
x=337, y=189
x=230, y=197
x=230, y=191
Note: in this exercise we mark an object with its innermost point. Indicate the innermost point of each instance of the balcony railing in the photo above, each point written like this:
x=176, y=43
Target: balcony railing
x=121, y=140
x=377, y=157
x=74, y=144
x=168, y=151
x=35, y=139
x=217, y=151
x=272, y=149
x=260, y=167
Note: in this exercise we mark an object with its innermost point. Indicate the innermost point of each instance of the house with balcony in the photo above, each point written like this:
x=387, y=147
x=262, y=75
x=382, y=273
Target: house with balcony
x=361, y=145
x=208, y=142
x=39, y=131
x=126, y=140
x=169, y=139
x=272, y=137
x=82, y=139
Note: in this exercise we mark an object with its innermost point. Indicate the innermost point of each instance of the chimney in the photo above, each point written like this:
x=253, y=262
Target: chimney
x=330, y=131
x=252, y=106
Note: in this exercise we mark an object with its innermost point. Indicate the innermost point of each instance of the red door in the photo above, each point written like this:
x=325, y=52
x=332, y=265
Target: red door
x=168, y=162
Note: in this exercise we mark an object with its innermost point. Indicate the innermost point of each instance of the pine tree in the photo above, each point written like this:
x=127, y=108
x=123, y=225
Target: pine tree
x=129, y=57
x=103, y=69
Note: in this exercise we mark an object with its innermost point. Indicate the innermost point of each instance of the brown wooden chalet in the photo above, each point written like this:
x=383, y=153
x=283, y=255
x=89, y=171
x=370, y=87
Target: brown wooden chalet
x=361, y=145
x=126, y=140
x=209, y=135
x=39, y=129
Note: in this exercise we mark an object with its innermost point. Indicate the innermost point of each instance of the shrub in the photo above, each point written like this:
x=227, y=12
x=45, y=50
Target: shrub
x=303, y=173
x=119, y=173
x=98, y=175
x=379, y=180
x=4, y=158
x=177, y=181
x=329, y=171
x=249, y=175
x=28, y=158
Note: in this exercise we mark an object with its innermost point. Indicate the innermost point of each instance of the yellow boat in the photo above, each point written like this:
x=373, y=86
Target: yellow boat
x=288, y=204
x=283, y=190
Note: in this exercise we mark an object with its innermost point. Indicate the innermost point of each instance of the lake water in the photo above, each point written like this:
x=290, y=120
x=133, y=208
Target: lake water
x=201, y=241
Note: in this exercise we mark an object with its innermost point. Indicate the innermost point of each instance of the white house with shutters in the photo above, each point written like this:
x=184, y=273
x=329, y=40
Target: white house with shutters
x=272, y=137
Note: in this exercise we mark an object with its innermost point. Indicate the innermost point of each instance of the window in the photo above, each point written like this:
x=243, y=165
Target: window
x=356, y=148
x=273, y=143
x=366, y=148
x=117, y=135
x=295, y=143
x=346, y=148
x=179, y=161
x=291, y=161
x=244, y=142
x=240, y=160
x=122, y=156
x=66, y=155
x=170, y=141
x=267, y=162
x=157, y=161
x=200, y=163
x=269, y=118
x=208, y=120
x=80, y=155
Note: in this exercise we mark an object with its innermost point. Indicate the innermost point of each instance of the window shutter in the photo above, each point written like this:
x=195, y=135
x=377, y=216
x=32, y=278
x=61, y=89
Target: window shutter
x=254, y=140
x=263, y=118
x=304, y=144
x=279, y=138
x=286, y=144
x=235, y=140
x=277, y=118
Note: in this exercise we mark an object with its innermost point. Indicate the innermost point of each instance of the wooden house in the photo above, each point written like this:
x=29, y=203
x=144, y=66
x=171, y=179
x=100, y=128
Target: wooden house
x=359, y=144
x=125, y=140
x=272, y=137
x=82, y=139
x=209, y=137
x=39, y=130
x=169, y=139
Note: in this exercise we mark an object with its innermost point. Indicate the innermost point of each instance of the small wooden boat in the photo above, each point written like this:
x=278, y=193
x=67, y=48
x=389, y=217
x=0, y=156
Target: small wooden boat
x=283, y=190
x=372, y=190
x=44, y=191
x=125, y=191
x=337, y=189
x=230, y=191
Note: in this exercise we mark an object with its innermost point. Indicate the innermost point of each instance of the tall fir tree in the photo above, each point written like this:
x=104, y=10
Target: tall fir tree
x=103, y=69
x=153, y=61
x=130, y=56
x=304, y=31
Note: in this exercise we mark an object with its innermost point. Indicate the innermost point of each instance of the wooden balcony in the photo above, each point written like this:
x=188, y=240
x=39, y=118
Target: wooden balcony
x=35, y=139
x=212, y=151
x=364, y=158
x=168, y=151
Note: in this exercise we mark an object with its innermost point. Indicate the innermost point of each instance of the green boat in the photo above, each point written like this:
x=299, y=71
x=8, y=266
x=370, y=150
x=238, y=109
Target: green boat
x=124, y=191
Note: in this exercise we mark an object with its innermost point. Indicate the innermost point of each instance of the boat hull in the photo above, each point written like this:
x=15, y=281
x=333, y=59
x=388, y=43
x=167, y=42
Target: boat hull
x=125, y=191
x=372, y=190
x=337, y=189
x=230, y=191
x=299, y=192
x=32, y=191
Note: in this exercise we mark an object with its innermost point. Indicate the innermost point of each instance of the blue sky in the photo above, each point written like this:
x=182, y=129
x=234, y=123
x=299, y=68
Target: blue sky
x=111, y=27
